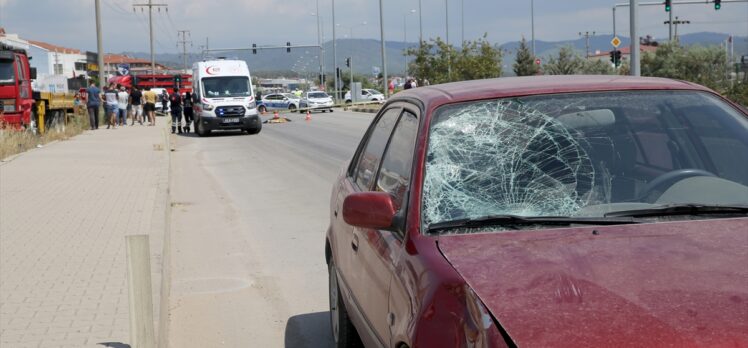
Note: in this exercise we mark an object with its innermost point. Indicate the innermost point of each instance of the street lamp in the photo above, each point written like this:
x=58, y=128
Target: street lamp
x=405, y=37
x=532, y=24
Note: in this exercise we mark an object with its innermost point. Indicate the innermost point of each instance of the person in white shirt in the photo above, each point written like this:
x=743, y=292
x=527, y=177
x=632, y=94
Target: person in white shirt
x=122, y=100
x=112, y=106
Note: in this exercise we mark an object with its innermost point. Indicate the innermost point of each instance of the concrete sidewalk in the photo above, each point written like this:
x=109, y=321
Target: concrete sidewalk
x=64, y=212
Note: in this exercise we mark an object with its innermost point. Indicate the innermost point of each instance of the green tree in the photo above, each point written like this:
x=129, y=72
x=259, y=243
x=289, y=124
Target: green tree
x=597, y=67
x=703, y=65
x=524, y=64
x=476, y=60
x=566, y=63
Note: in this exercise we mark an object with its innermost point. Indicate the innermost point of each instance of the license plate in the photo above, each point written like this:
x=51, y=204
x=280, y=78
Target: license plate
x=230, y=120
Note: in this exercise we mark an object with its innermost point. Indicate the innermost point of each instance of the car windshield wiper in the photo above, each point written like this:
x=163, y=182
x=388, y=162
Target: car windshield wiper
x=681, y=209
x=515, y=220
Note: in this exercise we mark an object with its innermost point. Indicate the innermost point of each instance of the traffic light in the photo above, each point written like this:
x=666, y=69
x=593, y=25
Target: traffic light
x=617, y=58
x=717, y=4
x=288, y=47
x=613, y=56
x=668, y=5
x=254, y=48
x=348, y=62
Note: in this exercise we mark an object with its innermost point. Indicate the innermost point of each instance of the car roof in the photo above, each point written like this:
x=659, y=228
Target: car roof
x=433, y=96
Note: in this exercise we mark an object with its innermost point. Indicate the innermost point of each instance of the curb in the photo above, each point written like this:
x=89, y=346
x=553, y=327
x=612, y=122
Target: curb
x=164, y=296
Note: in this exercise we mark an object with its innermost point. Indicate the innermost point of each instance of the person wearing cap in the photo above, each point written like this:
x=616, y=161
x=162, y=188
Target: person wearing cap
x=123, y=98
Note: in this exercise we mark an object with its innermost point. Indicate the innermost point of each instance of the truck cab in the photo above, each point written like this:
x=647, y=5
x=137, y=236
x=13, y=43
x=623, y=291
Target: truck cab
x=224, y=99
x=15, y=87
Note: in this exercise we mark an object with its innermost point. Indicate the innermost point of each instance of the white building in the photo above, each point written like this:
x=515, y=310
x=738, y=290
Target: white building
x=56, y=60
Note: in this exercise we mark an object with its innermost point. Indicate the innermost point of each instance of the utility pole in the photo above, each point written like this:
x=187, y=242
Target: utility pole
x=420, y=24
x=99, y=45
x=634, y=13
x=150, y=6
x=532, y=25
x=670, y=24
x=462, y=21
x=321, y=52
x=384, y=56
x=335, y=54
x=587, y=42
x=183, y=34
x=675, y=23
x=449, y=56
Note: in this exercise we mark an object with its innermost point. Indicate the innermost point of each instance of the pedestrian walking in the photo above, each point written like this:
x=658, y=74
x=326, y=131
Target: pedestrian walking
x=391, y=87
x=136, y=104
x=150, y=105
x=123, y=100
x=176, y=111
x=93, y=103
x=112, y=106
x=189, y=114
x=164, y=101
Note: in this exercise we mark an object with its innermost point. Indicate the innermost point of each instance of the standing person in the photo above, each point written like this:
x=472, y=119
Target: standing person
x=123, y=100
x=112, y=106
x=188, y=112
x=391, y=87
x=150, y=105
x=164, y=101
x=93, y=103
x=176, y=111
x=137, y=106
x=408, y=84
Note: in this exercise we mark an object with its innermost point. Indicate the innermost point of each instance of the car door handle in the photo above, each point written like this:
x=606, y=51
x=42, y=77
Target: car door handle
x=354, y=243
x=335, y=213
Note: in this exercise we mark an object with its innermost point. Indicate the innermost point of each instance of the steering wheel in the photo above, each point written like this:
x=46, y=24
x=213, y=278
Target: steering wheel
x=664, y=181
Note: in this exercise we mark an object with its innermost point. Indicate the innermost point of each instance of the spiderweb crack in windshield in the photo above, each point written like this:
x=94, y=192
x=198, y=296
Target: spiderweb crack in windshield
x=505, y=157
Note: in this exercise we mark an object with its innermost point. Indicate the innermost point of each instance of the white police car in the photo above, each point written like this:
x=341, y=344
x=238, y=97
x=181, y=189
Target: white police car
x=277, y=101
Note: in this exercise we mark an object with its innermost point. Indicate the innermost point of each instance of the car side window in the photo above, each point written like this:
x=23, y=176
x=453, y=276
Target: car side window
x=394, y=174
x=369, y=159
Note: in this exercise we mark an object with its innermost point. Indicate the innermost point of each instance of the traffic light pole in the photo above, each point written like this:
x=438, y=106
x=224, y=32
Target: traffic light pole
x=259, y=48
x=662, y=3
x=634, y=60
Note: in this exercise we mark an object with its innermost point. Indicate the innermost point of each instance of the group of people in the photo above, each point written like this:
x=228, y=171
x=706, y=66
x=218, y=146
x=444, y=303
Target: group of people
x=121, y=103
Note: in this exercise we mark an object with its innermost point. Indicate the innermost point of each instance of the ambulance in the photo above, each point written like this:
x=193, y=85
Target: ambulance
x=224, y=99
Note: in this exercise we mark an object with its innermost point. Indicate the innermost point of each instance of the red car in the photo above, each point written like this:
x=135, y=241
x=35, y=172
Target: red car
x=572, y=211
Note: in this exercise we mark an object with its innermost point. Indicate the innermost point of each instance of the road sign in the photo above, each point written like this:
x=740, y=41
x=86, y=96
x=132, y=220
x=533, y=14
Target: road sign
x=537, y=61
x=615, y=42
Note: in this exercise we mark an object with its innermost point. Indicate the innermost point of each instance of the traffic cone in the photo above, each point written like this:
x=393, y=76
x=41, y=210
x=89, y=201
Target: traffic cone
x=308, y=116
x=275, y=115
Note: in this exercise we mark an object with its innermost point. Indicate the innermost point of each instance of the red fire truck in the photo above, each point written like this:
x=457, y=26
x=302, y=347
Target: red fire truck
x=166, y=81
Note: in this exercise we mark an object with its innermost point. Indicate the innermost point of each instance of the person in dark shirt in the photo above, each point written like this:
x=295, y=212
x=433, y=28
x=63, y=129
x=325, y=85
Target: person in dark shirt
x=93, y=103
x=136, y=100
x=188, y=112
x=176, y=111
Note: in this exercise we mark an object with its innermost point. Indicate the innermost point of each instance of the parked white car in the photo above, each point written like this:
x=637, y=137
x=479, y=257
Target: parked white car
x=367, y=94
x=316, y=100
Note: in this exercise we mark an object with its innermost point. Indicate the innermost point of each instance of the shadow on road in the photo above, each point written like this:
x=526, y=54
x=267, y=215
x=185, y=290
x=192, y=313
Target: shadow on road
x=114, y=344
x=309, y=330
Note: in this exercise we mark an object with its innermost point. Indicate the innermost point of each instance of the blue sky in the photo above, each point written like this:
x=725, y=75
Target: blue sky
x=232, y=23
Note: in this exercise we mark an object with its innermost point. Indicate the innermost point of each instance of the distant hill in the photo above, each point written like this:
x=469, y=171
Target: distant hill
x=366, y=53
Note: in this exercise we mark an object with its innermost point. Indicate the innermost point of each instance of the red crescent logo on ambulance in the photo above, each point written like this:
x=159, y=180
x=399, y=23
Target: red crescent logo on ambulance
x=212, y=70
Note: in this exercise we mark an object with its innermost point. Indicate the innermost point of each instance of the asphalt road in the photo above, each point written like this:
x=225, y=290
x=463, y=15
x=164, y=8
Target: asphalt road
x=248, y=223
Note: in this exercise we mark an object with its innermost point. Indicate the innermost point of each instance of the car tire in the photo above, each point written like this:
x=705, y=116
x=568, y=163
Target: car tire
x=343, y=332
x=292, y=108
x=255, y=130
x=262, y=109
x=331, y=110
x=199, y=130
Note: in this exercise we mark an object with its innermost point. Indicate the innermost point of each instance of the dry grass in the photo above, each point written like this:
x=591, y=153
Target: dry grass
x=13, y=142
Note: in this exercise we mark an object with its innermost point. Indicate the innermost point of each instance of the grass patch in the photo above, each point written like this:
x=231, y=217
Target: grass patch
x=14, y=142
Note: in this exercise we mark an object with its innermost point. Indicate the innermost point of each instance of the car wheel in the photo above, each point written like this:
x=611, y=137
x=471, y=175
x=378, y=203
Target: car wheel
x=343, y=332
x=199, y=130
x=331, y=110
x=292, y=108
x=262, y=109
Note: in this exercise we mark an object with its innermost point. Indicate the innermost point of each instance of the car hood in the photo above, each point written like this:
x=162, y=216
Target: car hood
x=677, y=284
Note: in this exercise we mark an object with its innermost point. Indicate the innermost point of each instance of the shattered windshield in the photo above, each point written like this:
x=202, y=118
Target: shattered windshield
x=583, y=154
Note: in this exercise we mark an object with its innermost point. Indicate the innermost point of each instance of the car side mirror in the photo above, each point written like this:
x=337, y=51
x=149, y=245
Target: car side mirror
x=374, y=210
x=32, y=73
